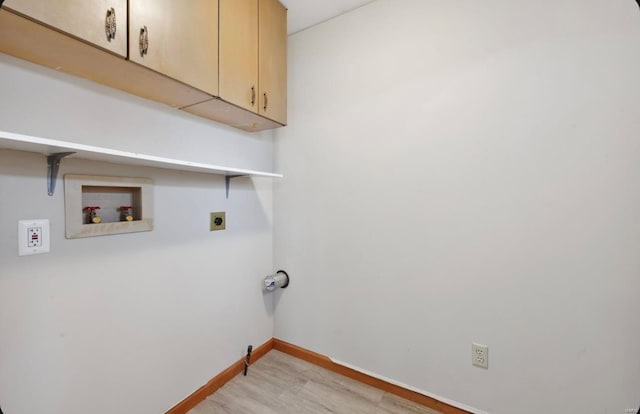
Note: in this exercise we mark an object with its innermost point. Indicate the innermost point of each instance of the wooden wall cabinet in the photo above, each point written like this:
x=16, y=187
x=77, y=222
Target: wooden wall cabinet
x=272, y=60
x=100, y=22
x=224, y=60
x=177, y=39
x=250, y=77
x=239, y=53
x=253, y=56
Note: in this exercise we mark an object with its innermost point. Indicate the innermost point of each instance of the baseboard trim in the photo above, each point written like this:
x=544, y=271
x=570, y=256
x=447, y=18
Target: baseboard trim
x=219, y=380
x=327, y=363
x=320, y=360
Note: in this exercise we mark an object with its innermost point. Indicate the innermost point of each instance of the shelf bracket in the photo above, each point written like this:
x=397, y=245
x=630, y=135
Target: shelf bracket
x=227, y=182
x=53, y=163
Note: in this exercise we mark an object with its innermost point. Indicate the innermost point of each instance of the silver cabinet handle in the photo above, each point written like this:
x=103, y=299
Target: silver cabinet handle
x=253, y=95
x=266, y=102
x=144, y=41
x=110, y=24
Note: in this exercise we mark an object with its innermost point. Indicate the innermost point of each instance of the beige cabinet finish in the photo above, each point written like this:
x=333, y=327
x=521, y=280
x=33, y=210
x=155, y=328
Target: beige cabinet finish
x=180, y=64
x=239, y=53
x=51, y=48
x=253, y=56
x=272, y=60
x=85, y=20
x=181, y=40
x=222, y=111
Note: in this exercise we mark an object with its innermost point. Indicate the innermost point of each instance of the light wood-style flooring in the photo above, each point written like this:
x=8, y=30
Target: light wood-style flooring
x=281, y=384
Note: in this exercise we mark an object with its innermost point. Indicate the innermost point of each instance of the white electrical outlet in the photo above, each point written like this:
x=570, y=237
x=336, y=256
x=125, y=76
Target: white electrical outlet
x=480, y=355
x=33, y=237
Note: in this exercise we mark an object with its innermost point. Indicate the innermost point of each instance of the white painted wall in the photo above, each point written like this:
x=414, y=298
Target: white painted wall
x=128, y=323
x=460, y=171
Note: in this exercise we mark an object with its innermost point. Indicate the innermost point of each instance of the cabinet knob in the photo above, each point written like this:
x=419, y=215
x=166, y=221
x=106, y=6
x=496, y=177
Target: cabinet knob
x=266, y=101
x=110, y=24
x=144, y=41
x=253, y=95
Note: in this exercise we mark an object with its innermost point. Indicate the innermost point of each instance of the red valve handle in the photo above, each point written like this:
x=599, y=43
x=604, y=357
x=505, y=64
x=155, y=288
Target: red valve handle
x=126, y=207
x=92, y=208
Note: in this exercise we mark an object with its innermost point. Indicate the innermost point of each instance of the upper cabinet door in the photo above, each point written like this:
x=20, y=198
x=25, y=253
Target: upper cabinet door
x=178, y=39
x=239, y=53
x=272, y=60
x=100, y=22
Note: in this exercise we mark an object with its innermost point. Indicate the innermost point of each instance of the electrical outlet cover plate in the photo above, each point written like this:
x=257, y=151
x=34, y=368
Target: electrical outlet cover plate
x=218, y=221
x=480, y=355
x=33, y=237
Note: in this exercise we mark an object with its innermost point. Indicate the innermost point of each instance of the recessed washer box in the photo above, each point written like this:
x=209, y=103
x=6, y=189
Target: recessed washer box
x=110, y=194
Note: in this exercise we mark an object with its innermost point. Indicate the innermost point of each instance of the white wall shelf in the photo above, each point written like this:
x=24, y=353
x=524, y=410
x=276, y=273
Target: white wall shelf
x=56, y=150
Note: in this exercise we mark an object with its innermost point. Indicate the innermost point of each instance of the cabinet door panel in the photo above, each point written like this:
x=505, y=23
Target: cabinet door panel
x=79, y=18
x=239, y=53
x=272, y=62
x=182, y=39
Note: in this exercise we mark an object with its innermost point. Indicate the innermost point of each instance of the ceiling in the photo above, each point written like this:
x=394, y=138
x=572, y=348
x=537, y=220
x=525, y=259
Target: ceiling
x=306, y=13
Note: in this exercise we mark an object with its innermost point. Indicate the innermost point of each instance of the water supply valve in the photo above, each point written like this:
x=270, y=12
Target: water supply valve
x=126, y=213
x=93, y=218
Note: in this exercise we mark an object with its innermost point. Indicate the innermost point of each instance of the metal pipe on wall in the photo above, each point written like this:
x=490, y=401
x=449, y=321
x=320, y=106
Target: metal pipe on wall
x=278, y=280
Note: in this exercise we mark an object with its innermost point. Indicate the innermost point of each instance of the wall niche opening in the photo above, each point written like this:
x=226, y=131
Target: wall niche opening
x=111, y=201
x=100, y=206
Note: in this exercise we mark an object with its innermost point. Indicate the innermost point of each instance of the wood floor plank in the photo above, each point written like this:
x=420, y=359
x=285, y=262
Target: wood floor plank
x=396, y=405
x=281, y=384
